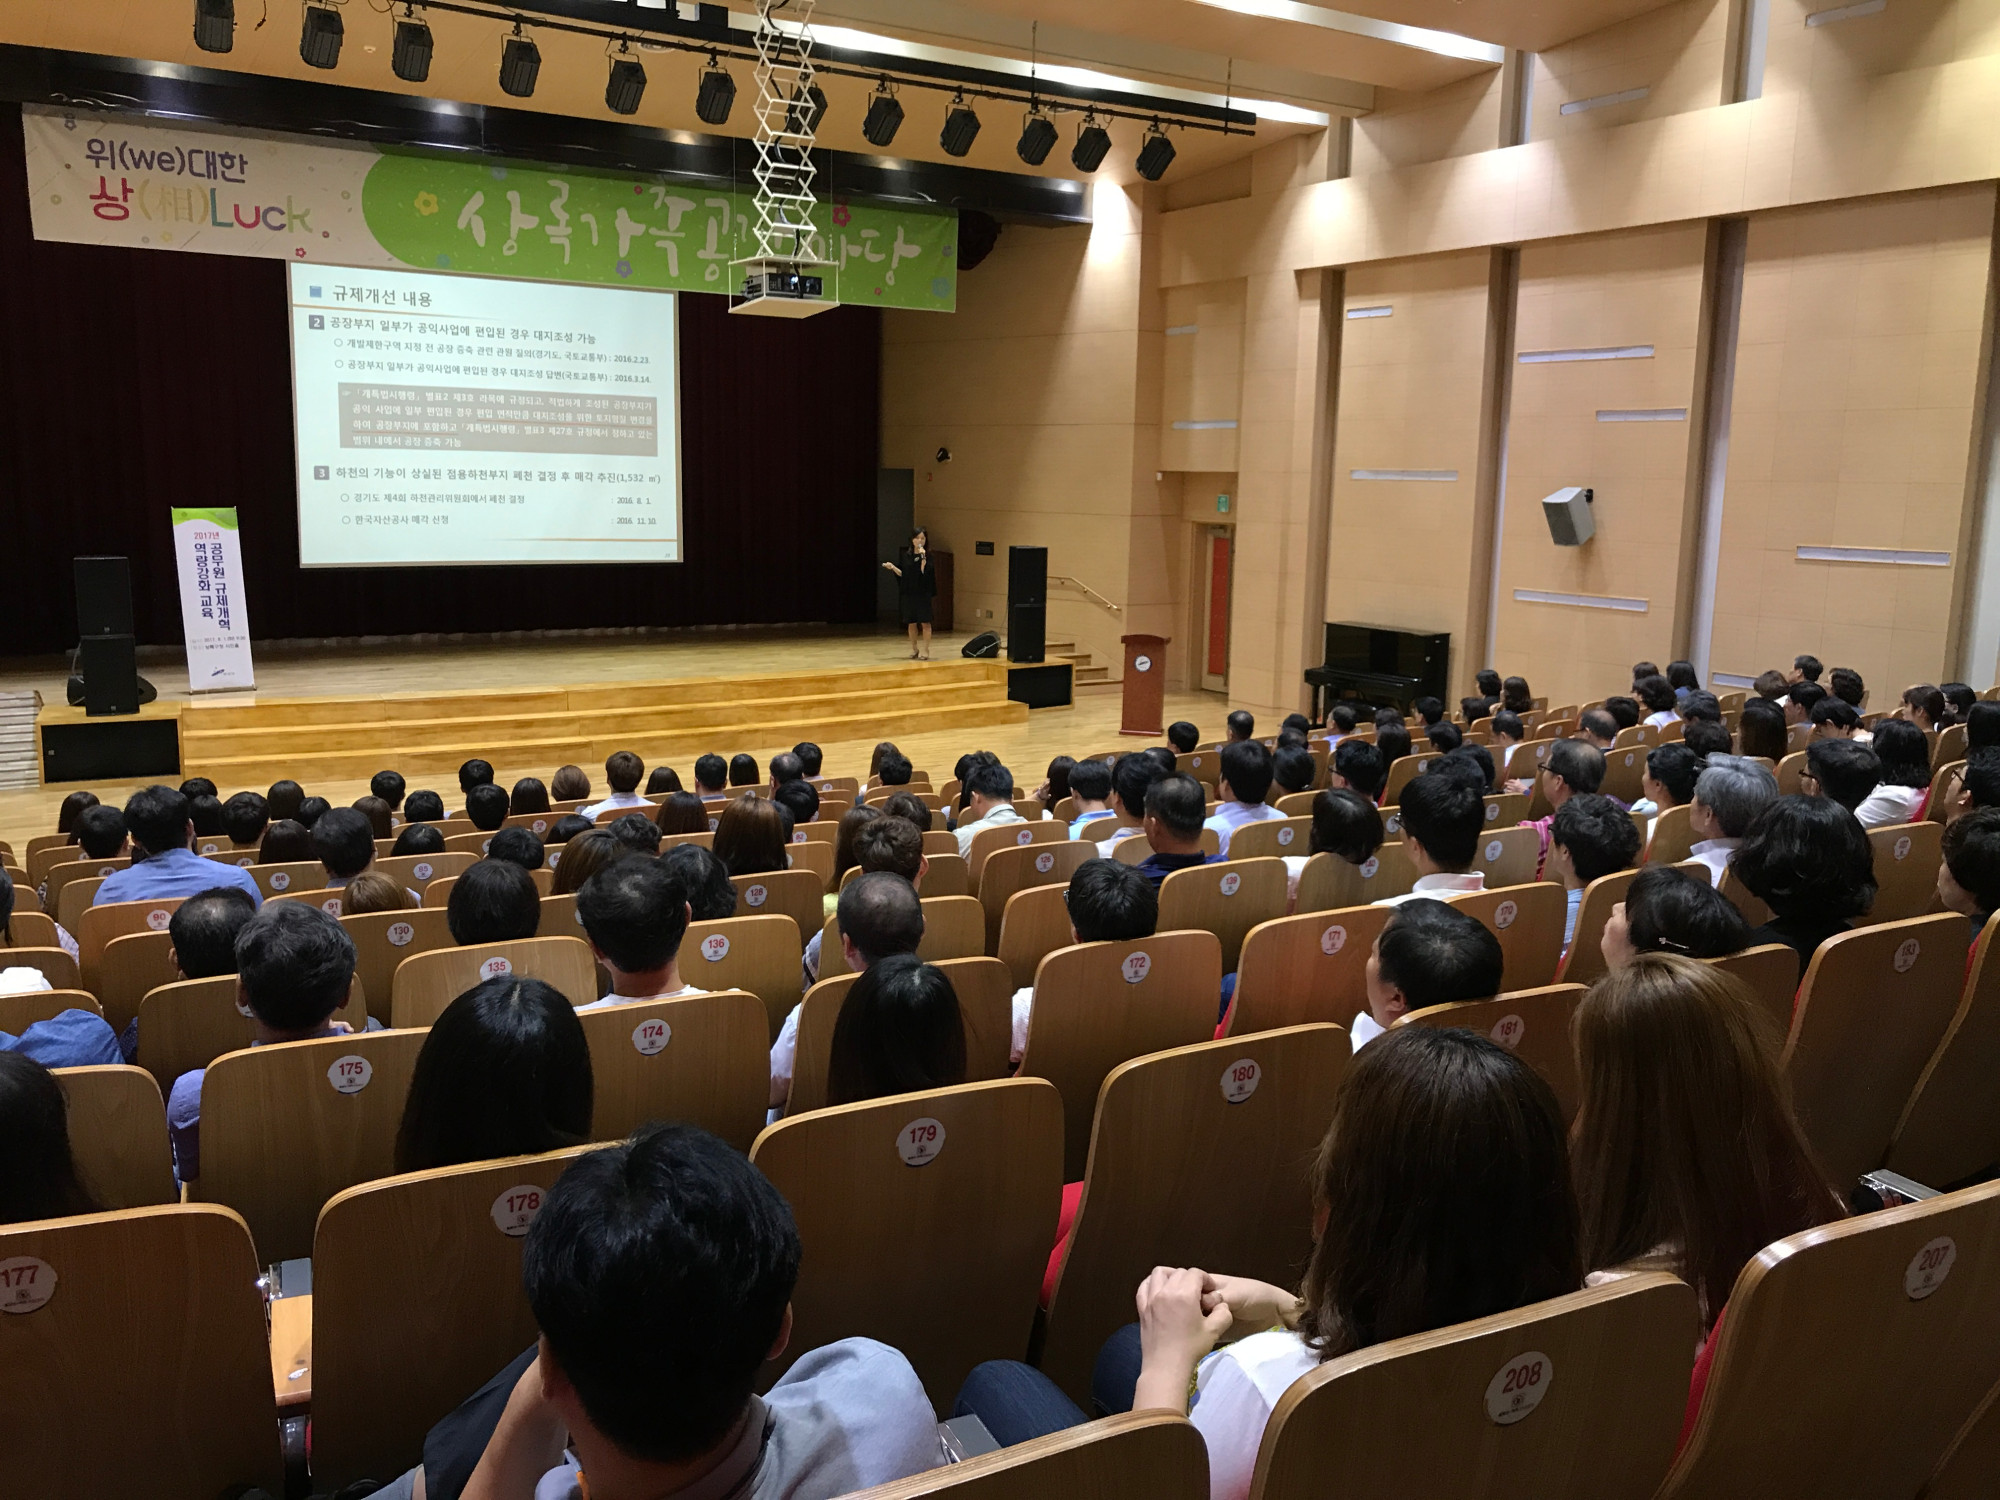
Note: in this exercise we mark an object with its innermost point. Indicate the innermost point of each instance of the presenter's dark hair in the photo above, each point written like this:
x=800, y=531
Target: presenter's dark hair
x=493, y=902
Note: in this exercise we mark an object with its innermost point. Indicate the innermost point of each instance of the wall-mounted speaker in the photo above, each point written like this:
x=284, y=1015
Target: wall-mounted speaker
x=1568, y=513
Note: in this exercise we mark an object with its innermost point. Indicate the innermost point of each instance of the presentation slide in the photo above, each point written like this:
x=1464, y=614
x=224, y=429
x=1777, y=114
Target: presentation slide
x=465, y=419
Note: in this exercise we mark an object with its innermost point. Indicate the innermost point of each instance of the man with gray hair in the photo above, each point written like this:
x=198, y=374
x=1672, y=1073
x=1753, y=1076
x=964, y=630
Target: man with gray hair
x=1730, y=792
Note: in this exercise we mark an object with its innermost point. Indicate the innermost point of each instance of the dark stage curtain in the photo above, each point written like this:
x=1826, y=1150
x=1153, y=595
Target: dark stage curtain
x=134, y=381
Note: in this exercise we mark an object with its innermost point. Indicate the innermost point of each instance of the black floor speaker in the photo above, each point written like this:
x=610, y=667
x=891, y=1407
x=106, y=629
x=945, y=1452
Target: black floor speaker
x=986, y=643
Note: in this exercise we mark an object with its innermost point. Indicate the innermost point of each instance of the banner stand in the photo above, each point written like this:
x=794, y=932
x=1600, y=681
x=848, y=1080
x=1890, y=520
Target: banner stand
x=213, y=616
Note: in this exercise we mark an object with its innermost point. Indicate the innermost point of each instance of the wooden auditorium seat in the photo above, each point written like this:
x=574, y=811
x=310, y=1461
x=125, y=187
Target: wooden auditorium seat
x=925, y=1220
x=284, y=879
x=191, y=1022
x=703, y=1059
x=1949, y=1129
x=954, y=927
x=1752, y=908
x=1009, y=870
x=1330, y=883
x=1226, y=899
x=1508, y=856
x=1139, y=1455
x=1531, y=1024
x=1294, y=971
x=416, y=871
x=21, y=1010
x=759, y=954
x=28, y=929
x=1248, y=1112
x=427, y=983
x=98, y=925
x=798, y=894
x=383, y=939
x=118, y=1135
x=62, y=876
x=1137, y=848
x=1672, y=839
x=1528, y=920
x=55, y=963
x=1584, y=962
x=1034, y=924
x=1772, y=972
x=1906, y=859
x=1273, y=838
x=1011, y=836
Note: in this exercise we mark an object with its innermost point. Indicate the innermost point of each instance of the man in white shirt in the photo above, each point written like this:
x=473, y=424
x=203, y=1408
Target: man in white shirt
x=1592, y=837
x=1429, y=954
x=1090, y=788
x=1443, y=820
x=635, y=914
x=1246, y=777
x=623, y=770
x=1131, y=778
x=885, y=843
x=989, y=802
x=1731, y=792
x=1108, y=902
x=879, y=915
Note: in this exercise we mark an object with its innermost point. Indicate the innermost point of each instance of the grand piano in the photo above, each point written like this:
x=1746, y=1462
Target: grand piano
x=1375, y=665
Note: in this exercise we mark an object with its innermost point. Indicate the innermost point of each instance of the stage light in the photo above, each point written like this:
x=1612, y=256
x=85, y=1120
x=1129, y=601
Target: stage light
x=1093, y=143
x=716, y=95
x=215, y=25
x=627, y=84
x=1038, y=138
x=410, y=58
x=961, y=127
x=884, y=117
x=520, y=64
x=803, y=115
x=1156, y=155
x=320, y=37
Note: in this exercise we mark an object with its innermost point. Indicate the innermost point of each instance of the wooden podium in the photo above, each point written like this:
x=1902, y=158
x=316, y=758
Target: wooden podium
x=1145, y=684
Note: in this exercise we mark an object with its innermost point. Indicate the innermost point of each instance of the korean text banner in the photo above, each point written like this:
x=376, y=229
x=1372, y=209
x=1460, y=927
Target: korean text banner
x=116, y=179
x=212, y=609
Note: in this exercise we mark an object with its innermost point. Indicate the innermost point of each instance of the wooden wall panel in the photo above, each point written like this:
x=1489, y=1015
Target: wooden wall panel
x=1852, y=425
x=1405, y=128
x=1202, y=375
x=1907, y=35
x=1676, y=53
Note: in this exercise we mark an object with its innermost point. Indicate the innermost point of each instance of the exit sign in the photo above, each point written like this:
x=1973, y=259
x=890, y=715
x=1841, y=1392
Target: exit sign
x=1222, y=505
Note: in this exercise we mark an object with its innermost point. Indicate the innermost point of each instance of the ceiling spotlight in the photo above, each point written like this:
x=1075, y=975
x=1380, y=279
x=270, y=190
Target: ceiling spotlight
x=803, y=116
x=411, y=56
x=1156, y=155
x=320, y=37
x=1093, y=143
x=1038, y=138
x=215, y=25
x=961, y=127
x=716, y=93
x=520, y=64
x=627, y=85
x=884, y=118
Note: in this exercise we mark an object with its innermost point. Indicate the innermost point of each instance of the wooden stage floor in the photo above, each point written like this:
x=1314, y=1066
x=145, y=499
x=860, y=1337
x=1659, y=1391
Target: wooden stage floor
x=534, y=664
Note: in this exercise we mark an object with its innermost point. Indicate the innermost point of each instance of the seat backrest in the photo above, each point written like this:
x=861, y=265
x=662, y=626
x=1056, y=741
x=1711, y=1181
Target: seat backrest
x=954, y=927
x=1673, y=837
x=1297, y=970
x=189, y=1023
x=74, y=871
x=1874, y=1006
x=28, y=929
x=1034, y=925
x=1402, y=771
x=1137, y=1455
x=1752, y=908
x=1835, y=1338
x=1099, y=1004
x=1136, y=849
x=703, y=1059
x=1576, y=1398
x=1505, y=809
x=814, y=856
x=1246, y=1111
x=285, y=879
x=1949, y=1129
x=416, y=871
x=1272, y=838
x=1330, y=883
x=1623, y=766
x=1791, y=768
x=428, y=982
x=55, y=963
x=98, y=925
x=417, y=1300
x=985, y=991
x=758, y=953
x=383, y=939
x=118, y=1135
x=147, y=1366
x=24, y=1008
x=1011, y=836
x=1528, y=920
x=1945, y=787
x=1011, y=869
x=1772, y=972
x=477, y=842
x=1531, y=1024
x=285, y=1127
x=1906, y=858
x=1584, y=962
x=798, y=894
x=957, y=1189
x=1227, y=899
x=129, y=967
x=1949, y=744
x=1507, y=856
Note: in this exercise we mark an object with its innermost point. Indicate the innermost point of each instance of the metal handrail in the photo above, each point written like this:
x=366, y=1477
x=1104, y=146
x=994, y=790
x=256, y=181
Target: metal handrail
x=1078, y=583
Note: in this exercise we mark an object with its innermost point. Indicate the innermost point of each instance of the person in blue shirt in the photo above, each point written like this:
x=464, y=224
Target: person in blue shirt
x=1174, y=808
x=1090, y=789
x=163, y=860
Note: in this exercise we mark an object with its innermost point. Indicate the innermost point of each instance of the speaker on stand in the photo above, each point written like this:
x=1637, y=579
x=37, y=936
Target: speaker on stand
x=106, y=680
x=1027, y=603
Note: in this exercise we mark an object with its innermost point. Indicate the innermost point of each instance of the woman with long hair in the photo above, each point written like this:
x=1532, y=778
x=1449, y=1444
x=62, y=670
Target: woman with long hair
x=529, y=796
x=583, y=856
x=899, y=1032
x=916, y=588
x=682, y=812
x=750, y=837
x=1905, y=756
x=38, y=1177
x=1665, y=911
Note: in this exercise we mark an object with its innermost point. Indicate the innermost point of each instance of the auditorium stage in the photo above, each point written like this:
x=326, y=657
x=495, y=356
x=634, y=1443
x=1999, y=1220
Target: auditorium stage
x=532, y=704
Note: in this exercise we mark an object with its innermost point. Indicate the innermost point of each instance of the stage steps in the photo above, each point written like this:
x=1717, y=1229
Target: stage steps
x=1082, y=673
x=530, y=731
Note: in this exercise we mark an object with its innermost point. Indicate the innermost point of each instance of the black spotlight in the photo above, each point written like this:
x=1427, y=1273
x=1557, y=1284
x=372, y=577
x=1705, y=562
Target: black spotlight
x=716, y=95
x=215, y=25
x=411, y=56
x=320, y=37
x=627, y=86
x=1093, y=143
x=1156, y=155
x=520, y=64
x=961, y=128
x=884, y=117
x=1038, y=138
x=802, y=116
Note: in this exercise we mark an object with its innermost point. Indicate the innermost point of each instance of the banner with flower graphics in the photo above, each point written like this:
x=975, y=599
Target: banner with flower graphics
x=119, y=179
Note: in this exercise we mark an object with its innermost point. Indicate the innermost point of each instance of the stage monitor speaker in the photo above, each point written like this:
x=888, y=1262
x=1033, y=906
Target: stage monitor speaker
x=986, y=643
x=103, y=596
x=1027, y=603
x=109, y=667
x=1027, y=632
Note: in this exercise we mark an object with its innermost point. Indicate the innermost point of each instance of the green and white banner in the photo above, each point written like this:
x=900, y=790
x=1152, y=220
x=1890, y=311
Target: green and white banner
x=212, y=614
x=117, y=179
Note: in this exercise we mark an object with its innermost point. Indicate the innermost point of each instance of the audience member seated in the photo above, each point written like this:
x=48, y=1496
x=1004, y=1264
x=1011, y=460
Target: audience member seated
x=518, y=846
x=989, y=803
x=1624, y=711
x=1834, y=720
x=494, y=901
x=1805, y=668
x=1659, y=698
x=1429, y=710
x=662, y=780
x=1239, y=725
x=1591, y=837
x=1441, y=1194
x=1688, y=1158
x=1429, y=953
x=895, y=769
x=486, y=805
x=294, y=968
x=1393, y=743
x=850, y=824
x=682, y=812
x=1174, y=808
x=1730, y=793
x=750, y=837
x=1597, y=726
x=1573, y=769
x=1341, y=720
x=1508, y=733
x=1803, y=698
x=1345, y=824
x=1769, y=686
x=1182, y=737
x=1242, y=787
x=344, y=843
x=1668, y=781
x=1808, y=860
x=372, y=891
x=1760, y=732
x=1132, y=776
x=905, y=805
x=785, y=768
x=284, y=800
x=164, y=863
x=1924, y=706
x=799, y=798
x=1841, y=770
x=70, y=1038
x=1959, y=698
x=878, y=914
x=809, y=756
x=1443, y=737
x=381, y=818
x=38, y=1176
x=420, y=807
x=286, y=842
x=1681, y=675
x=635, y=831
x=388, y=785
x=711, y=776
x=635, y=913
x=1977, y=783
x=1641, y=670
x=203, y=932
x=583, y=856
x=1848, y=687
x=885, y=844
x=1665, y=911
x=505, y=1071
x=899, y=1032
x=1293, y=770
x=569, y=784
x=1969, y=875
x=73, y=807
x=312, y=810
x=567, y=827
x=1108, y=903
x=205, y=813
x=622, y=773
x=1699, y=704
x=417, y=838
x=1516, y=696
x=743, y=771
x=1982, y=727
x=1905, y=757
x=528, y=797
x=474, y=773
x=710, y=896
x=1706, y=738
x=881, y=753
x=100, y=833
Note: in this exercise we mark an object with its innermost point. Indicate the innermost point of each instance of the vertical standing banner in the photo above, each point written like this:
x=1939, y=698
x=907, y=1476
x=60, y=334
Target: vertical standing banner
x=212, y=609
